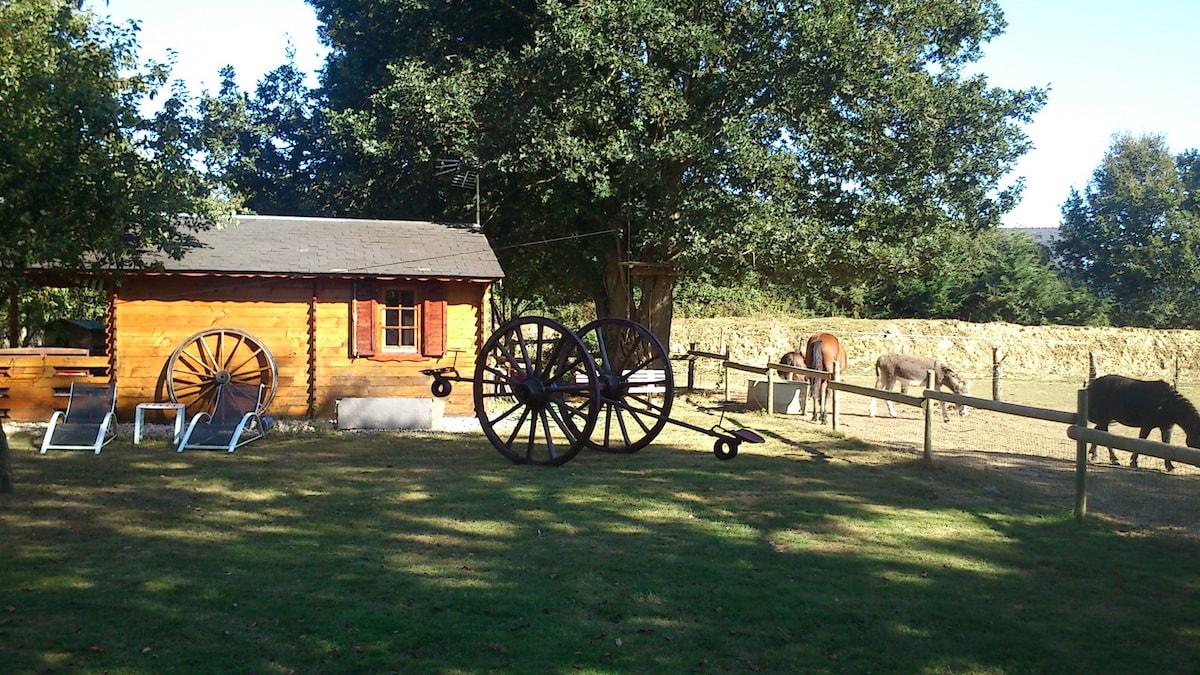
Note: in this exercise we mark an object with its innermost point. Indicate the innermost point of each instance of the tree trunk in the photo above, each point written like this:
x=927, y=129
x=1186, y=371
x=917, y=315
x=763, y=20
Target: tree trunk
x=14, y=320
x=657, y=306
x=615, y=289
x=6, y=476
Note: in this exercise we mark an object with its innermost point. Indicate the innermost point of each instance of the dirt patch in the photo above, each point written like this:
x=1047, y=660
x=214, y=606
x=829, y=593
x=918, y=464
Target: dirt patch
x=1028, y=352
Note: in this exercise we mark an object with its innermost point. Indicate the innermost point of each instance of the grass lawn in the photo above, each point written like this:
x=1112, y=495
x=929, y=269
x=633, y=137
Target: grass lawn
x=430, y=553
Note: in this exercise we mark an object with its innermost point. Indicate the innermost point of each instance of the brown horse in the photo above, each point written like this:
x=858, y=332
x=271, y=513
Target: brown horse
x=794, y=359
x=824, y=351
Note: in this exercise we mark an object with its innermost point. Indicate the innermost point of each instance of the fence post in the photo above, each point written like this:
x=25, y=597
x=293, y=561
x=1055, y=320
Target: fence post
x=770, y=393
x=1175, y=382
x=927, y=410
x=1092, y=367
x=835, y=377
x=691, y=369
x=997, y=372
x=1081, y=460
x=725, y=368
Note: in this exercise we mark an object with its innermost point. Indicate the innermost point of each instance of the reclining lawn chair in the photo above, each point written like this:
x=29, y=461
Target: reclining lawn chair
x=89, y=422
x=233, y=422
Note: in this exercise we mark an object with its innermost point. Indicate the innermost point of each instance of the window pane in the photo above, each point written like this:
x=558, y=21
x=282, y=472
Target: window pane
x=401, y=319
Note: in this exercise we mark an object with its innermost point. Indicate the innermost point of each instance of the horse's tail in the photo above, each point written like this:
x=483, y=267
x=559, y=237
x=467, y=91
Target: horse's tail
x=816, y=355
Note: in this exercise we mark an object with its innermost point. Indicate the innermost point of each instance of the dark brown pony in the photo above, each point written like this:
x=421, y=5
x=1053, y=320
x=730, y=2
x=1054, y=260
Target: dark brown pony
x=1146, y=404
x=823, y=352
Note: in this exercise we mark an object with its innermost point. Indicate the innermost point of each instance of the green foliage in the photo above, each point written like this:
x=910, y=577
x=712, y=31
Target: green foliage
x=708, y=297
x=508, y=303
x=1133, y=236
x=990, y=276
x=264, y=149
x=699, y=136
x=40, y=306
x=87, y=182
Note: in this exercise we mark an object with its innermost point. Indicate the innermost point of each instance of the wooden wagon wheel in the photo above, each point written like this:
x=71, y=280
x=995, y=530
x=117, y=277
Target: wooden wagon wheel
x=637, y=387
x=218, y=356
x=535, y=391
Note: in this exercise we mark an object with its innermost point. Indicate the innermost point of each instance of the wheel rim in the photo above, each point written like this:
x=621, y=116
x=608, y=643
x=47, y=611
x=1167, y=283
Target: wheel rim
x=219, y=356
x=628, y=360
x=535, y=391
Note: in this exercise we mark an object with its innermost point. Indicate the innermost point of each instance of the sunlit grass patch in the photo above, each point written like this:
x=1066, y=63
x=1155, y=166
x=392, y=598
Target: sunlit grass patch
x=431, y=553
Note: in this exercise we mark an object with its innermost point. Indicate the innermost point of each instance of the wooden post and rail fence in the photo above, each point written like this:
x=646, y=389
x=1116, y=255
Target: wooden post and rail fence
x=1076, y=421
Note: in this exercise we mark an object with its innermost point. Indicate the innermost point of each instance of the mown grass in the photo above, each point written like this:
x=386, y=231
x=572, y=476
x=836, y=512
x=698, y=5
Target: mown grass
x=430, y=553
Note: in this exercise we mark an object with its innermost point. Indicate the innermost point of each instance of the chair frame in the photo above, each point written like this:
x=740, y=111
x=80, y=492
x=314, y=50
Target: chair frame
x=249, y=428
x=106, y=429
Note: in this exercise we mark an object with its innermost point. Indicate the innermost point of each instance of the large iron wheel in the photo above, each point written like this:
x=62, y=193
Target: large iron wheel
x=535, y=391
x=637, y=387
x=218, y=356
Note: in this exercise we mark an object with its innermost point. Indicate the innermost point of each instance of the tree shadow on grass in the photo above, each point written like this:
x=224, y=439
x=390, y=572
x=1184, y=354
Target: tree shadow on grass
x=431, y=553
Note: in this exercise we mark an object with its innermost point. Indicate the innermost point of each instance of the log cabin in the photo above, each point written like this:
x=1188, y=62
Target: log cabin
x=317, y=309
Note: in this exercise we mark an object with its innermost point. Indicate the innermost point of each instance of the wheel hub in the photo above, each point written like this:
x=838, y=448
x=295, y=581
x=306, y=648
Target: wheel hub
x=532, y=392
x=613, y=386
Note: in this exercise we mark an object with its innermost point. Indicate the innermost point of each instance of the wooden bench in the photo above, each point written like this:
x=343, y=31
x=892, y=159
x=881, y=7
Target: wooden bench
x=644, y=381
x=647, y=381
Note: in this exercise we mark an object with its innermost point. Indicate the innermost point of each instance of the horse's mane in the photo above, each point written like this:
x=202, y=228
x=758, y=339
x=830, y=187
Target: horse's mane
x=1189, y=418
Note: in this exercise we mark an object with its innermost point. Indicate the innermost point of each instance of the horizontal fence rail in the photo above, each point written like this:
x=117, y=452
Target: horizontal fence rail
x=887, y=395
x=1002, y=407
x=757, y=370
x=1141, y=446
x=797, y=370
x=695, y=353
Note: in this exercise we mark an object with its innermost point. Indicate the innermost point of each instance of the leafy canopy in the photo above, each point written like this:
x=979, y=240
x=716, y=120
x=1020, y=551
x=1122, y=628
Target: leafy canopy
x=1133, y=236
x=87, y=182
x=803, y=140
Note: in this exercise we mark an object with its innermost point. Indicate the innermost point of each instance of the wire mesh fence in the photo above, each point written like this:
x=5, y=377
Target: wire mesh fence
x=1034, y=453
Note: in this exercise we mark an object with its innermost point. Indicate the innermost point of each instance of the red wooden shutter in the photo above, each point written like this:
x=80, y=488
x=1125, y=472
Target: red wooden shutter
x=433, y=322
x=364, y=321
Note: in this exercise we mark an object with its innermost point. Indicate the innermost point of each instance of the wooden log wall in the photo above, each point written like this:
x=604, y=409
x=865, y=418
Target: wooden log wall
x=306, y=325
x=36, y=383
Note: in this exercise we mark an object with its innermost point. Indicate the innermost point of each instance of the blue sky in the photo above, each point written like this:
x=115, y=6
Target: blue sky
x=1113, y=66
x=251, y=35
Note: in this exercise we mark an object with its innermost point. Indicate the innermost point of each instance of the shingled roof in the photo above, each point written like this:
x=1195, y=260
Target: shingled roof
x=341, y=246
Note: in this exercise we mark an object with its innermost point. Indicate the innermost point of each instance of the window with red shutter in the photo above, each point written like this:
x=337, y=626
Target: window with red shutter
x=433, y=337
x=396, y=321
x=400, y=318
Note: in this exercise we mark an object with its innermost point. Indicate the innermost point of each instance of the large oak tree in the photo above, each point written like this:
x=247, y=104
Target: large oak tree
x=815, y=141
